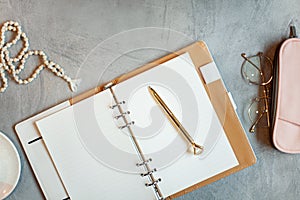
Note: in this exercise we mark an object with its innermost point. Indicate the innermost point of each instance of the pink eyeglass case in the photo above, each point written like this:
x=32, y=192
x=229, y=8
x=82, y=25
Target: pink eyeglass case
x=286, y=97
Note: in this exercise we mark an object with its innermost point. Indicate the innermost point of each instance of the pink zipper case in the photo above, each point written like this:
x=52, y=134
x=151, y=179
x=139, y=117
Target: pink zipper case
x=286, y=97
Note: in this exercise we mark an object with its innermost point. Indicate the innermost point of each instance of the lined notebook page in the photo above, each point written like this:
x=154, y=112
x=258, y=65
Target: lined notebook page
x=85, y=144
x=179, y=85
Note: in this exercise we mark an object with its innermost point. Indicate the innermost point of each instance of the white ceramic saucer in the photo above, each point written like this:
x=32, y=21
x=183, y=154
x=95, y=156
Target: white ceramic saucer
x=10, y=166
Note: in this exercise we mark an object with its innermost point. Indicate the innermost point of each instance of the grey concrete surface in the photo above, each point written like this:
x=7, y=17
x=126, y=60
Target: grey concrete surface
x=68, y=31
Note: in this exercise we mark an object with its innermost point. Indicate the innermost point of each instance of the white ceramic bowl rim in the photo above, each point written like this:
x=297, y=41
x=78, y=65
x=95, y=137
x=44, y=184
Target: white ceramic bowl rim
x=19, y=164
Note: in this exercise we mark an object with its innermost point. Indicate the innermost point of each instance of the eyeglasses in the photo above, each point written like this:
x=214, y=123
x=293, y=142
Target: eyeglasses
x=257, y=70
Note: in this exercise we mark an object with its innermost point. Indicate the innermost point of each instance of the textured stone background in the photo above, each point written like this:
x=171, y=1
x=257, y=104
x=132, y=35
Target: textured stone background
x=69, y=30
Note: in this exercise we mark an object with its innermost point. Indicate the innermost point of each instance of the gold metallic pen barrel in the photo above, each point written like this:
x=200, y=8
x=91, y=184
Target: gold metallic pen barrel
x=197, y=148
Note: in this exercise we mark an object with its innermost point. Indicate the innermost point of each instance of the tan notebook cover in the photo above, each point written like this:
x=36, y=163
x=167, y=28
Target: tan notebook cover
x=199, y=53
x=221, y=102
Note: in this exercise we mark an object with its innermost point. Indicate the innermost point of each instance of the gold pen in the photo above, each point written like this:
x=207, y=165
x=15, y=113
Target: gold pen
x=197, y=148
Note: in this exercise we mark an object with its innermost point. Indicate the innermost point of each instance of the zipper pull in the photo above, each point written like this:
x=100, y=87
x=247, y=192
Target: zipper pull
x=293, y=33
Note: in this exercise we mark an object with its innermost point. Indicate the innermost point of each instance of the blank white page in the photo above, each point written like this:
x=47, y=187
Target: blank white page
x=179, y=85
x=90, y=163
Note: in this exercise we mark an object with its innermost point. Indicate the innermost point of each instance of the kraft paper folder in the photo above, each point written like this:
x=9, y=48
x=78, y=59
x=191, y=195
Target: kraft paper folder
x=52, y=176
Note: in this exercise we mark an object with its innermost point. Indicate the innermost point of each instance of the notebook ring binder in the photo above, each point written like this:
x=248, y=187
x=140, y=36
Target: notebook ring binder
x=149, y=173
x=122, y=114
x=144, y=163
x=153, y=183
x=127, y=125
x=117, y=104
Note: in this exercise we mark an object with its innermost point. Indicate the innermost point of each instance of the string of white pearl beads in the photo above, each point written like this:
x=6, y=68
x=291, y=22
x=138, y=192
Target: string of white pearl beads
x=14, y=66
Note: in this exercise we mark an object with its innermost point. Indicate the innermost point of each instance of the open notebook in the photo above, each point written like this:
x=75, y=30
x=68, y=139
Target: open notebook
x=88, y=148
x=96, y=157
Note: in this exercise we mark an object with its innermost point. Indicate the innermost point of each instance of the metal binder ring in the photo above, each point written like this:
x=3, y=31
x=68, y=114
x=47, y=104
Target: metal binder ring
x=145, y=162
x=126, y=125
x=122, y=114
x=153, y=183
x=149, y=173
x=117, y=104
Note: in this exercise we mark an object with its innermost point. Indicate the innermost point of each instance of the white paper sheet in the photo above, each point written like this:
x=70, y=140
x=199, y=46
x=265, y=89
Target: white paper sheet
x=177, y=167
